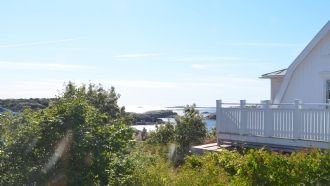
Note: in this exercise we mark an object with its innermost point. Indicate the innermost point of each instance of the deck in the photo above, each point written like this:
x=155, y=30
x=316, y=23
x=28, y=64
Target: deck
x=291, y=125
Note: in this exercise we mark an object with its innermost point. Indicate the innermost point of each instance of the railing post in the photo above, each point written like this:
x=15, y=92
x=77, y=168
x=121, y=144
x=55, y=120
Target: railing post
x=218, y=118
x=297, y=125
x=243, y=120
x=268, y=119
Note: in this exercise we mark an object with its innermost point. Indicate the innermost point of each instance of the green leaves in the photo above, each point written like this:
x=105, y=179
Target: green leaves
x=74, y=140
x=190, y=130
x=164, y=134
x=260, y=167
x=253, y=167
x=103, y=100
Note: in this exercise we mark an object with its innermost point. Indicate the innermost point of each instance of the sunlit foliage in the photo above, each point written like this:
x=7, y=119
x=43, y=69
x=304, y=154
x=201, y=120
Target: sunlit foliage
x=79, y=139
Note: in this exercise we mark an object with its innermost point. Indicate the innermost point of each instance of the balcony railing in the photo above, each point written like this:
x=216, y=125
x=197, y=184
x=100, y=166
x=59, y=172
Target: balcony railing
x=291, y=124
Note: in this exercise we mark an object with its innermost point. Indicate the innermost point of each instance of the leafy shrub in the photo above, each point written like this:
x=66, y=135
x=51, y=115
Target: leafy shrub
x=73, y=141
x=260, y=167
x=190, y=128
x=163, y=134
x=252, y=167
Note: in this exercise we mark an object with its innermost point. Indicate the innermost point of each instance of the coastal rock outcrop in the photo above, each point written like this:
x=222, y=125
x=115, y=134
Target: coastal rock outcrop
x=212, y=116
x=151, y=117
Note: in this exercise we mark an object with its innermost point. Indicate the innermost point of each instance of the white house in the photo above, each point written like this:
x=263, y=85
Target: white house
x=308, y=77
x=298, y=112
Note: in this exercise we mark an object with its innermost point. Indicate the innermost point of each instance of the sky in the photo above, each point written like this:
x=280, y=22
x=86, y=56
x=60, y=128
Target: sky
x=163, y=52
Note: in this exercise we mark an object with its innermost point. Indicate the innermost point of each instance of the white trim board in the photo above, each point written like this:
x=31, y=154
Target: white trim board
x=274, y=141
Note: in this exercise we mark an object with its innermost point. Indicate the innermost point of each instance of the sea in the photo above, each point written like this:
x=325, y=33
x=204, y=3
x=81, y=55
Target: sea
x=210, y=124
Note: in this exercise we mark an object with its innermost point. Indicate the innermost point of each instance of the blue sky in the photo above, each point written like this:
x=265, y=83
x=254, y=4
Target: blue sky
x=154, y=52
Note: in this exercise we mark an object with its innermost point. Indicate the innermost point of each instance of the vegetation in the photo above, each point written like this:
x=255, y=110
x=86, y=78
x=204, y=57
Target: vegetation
x=163, y=135
x=18, y=105
x=72, y=141
x=83, y=138
x=190, y=129
x=105, y=101
x=253, y=167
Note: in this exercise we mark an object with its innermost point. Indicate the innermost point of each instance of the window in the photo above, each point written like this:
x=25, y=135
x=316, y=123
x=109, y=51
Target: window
x=328, y=92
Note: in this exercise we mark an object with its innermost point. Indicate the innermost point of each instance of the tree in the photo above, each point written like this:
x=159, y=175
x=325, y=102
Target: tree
x=164, y=134
x=80, y=139
x=104, y=100
x=190, y=130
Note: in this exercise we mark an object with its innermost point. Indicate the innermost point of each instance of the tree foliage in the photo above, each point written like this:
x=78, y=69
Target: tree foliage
x=190, y=129
x=163, y=134
x=106, y=101
x=80, y=139
x=252, y=167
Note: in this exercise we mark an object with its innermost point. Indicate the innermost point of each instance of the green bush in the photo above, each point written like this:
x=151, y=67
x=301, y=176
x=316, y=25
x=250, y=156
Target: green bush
x=73, y=141
x=252, y=167
x=190, y=128
x=163, y=134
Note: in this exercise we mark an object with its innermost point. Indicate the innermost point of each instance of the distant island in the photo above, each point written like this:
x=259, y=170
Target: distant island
x=176, y=107
x=149, y=117
x=152, y=117
x=18, y=105
x=181, y=107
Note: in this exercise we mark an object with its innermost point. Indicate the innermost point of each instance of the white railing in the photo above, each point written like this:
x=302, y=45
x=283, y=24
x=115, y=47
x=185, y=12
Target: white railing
x=295, y=121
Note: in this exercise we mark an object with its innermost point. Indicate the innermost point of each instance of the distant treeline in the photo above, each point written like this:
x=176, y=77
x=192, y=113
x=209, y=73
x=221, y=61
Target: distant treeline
x=17, y=105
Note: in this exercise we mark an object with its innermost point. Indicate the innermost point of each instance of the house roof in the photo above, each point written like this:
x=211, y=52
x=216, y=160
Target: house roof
x=301, y=57
x=278, y=73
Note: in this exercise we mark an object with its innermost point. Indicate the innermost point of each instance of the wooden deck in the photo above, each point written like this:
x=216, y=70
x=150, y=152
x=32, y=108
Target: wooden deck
x=199, y=149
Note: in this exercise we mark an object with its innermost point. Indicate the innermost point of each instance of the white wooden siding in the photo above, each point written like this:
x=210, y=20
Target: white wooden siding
x=308, y=81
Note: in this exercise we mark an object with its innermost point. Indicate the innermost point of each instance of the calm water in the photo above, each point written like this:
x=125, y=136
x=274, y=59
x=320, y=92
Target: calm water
x=141, y=109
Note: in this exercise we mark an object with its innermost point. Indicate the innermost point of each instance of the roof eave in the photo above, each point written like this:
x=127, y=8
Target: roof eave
x=271, y=77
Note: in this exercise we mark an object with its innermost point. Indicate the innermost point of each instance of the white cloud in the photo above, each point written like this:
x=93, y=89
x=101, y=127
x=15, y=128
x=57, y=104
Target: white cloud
x=200, y=66
x=206, y=58
x=137, y=55
x=227, y=65
x=204, y=66
x=205, y=82
x=264, y=44
x=15, y=45
x=30, y=88
x=141, y=84
x=219, y=62
x=38, y=66
x=202, y=90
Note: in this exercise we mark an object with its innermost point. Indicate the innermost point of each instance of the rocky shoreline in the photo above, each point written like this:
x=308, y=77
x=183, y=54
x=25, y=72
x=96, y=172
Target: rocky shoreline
x=152, y=117
x=146, y=118
x=212, y=116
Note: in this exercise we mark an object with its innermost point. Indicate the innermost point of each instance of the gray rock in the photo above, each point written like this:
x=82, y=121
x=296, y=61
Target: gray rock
x=152, y=116
x=212, y=116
